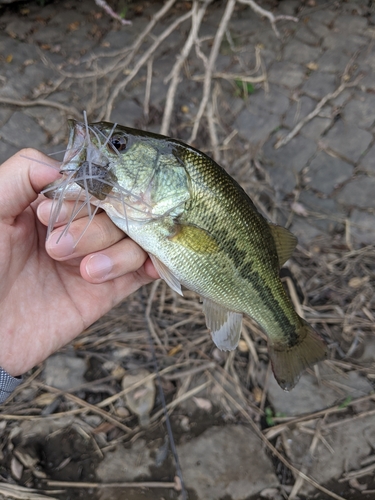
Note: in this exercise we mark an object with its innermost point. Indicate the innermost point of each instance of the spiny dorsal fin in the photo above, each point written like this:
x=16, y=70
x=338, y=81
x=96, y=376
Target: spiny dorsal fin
x=285, y=242
x=225, y=325
x=166, y=274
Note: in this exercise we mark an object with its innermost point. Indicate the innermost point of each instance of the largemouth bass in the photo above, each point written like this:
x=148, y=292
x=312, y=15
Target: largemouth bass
x=200, y=229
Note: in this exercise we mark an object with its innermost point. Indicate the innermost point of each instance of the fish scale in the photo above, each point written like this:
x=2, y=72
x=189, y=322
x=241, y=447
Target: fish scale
x=202, y=231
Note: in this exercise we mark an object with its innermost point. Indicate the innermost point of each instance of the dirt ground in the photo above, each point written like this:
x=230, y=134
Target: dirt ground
x=283, y=97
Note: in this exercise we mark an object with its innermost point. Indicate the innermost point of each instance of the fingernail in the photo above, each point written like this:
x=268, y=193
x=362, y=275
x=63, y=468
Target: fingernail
x=60, y=246
x=99, y=266
x=45, y=208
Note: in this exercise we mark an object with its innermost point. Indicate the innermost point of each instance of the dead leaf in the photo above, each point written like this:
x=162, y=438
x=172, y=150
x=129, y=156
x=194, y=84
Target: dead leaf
x=73, y=26
x=9, y=58
x=357, y=282
x=299, y=209
x=16, y=468
x=203, y=404
x=312, y=66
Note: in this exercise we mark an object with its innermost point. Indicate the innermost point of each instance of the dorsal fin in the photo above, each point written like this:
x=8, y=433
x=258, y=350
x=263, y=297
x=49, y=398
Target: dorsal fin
x=285, y=242
x=225, y=325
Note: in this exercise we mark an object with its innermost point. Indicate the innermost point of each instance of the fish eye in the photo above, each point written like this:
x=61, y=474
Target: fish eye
x=118, y=142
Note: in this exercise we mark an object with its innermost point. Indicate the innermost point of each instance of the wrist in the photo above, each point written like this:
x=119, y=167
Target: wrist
x=7, y=384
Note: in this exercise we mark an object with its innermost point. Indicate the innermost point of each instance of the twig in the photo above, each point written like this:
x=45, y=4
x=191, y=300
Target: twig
x=143, y=484
x=121, y=85
x=197, y=16
x=42, y=102
x=310, y=116
x=266, y=13
x=210, y=66
x=103, y=4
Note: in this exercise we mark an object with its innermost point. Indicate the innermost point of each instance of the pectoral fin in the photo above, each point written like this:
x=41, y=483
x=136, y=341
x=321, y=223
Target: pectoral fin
x=166, y=274
x=285, y=242
x=225, y=325
x=194, y=238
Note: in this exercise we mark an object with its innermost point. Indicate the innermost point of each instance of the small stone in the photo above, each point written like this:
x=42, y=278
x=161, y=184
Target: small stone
x=207, y=470
x=319, y=84
x=316, y=127
x=298, y=110
x=127, y=112
x=362, y=227
x=306, y=35
x=350, y=24
x=288, y=74
x=368, y=161
x=275, y=101
x=360, y=111
x=294, y=155
x=358, y=193
x=333, y=61
x=326, y=172
x=335, y=41
x=347, y=140
x=300, y=53
x=64, y=372
x=256, y=128
x=6, y=150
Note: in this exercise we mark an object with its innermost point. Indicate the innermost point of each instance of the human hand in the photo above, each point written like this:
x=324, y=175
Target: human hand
x=50, y=292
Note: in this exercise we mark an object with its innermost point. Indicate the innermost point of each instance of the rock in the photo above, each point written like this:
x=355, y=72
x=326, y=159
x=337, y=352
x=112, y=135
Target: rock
x=220, y=464
x=22, y=131
x=351, y=443
x=347, y=140
x=358, y=193
x=64, y=372
x=326, y=172
x=126, y=465
x=309, y=396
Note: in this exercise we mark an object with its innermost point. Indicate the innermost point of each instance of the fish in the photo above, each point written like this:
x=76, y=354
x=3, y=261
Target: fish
x=200, y=229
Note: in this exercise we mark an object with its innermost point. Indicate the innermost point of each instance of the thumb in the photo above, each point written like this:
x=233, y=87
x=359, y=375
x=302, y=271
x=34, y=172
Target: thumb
x=22, y=177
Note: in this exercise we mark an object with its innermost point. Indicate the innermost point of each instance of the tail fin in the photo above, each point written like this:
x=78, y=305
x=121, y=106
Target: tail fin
x=289, y=361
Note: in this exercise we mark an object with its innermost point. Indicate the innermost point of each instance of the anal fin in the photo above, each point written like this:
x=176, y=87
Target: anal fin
x=225, y=325
x=166, y=274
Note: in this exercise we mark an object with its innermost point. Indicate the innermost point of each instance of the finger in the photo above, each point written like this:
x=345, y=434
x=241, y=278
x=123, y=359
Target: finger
x=84, y=237
x=22, y=177
x=122, y=258
x=45, y=208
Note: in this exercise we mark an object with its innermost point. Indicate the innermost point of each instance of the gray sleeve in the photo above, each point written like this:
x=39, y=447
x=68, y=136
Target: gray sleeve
x=7, y=384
